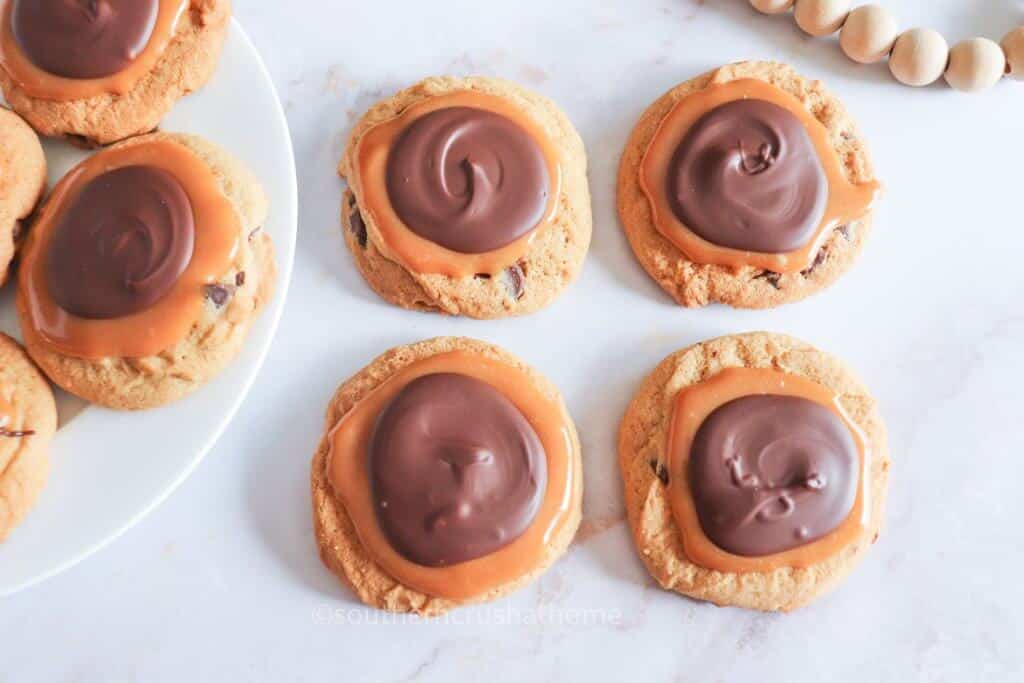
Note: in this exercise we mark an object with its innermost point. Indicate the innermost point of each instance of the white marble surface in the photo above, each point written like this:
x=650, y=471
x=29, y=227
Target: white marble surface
x=223, y=582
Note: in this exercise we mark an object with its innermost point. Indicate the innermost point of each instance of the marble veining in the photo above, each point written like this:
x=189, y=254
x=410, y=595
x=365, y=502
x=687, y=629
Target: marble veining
x=223, y=581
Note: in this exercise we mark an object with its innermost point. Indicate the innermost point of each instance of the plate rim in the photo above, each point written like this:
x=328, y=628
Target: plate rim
x=276, y=313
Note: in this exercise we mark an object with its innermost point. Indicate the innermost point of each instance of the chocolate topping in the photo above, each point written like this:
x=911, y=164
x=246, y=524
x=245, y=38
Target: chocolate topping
x=121, y=244
x=83, y=38
x=747, y=176
x=468, y=179
x=457, y=471
x=770, y=473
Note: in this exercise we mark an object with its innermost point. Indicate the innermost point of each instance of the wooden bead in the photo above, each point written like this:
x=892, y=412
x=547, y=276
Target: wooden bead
x=1013, y=46
x=771, y=6
x=975, y=64
x=868, y=34
x=919, y=57
x=821, y=17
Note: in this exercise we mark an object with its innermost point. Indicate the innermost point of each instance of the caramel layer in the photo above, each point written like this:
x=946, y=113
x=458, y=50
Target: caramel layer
x=402, y=245
x=846, y=201
x=691, y=407
x=347, y=472
x=171, y=318
x=46, y=86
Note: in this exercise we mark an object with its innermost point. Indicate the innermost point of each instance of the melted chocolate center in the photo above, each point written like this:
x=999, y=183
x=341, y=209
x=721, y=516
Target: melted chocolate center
x=121, y=244
x=457, y=471
x=771, y=473
x=747, y=176
x=468, y=179
x=83, y=38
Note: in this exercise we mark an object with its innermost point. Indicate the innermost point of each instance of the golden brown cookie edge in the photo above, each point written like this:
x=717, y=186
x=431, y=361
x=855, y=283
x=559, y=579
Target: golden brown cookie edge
x=642, y=440
x=337, y=541
x=555, y=257
x=127, y=383
x=695, y=285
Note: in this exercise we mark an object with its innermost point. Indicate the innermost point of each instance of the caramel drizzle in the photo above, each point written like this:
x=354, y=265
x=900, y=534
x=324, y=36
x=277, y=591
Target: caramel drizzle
x=169, y=320
x=846, y=201
x=347, y=472
x=7, y=418
x=691, y=407
x=400, y=244
x=46, y=86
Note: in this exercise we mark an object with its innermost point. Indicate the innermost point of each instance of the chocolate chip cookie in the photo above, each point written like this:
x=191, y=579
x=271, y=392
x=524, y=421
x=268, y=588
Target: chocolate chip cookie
x=101, y=72
x=28, y=420
x=448, y=474
x=748, y=185
x=136, y=313
x=467, y=196
x=756, y=469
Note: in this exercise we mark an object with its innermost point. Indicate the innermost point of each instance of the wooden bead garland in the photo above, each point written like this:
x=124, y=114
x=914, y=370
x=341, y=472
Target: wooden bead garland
x=1013, y=46
x=869, y=33
x=821, y=17
x=919, y=57
x=975, y=64
x=772, y=6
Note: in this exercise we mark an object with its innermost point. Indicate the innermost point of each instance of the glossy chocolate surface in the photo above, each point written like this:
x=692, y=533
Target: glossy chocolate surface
x=121, y=244
x=769, y=473
x=456, y=470
x=468, y=179
x=747, y=176
x=83, y=39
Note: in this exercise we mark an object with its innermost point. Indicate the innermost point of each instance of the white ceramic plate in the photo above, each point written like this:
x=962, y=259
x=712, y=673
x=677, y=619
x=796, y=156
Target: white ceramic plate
x=109, y=469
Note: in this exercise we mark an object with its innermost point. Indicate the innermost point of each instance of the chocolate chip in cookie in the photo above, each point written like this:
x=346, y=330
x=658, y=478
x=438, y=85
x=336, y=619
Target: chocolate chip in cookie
x=219, y=294
x=358, y=226
x=771, y=278
x=514, y=279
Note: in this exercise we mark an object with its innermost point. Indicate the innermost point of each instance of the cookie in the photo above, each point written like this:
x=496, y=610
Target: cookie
x=748, y=185
x=755, y=469
x=28, y=421
x=107, y=71
x=467, y=196
x=125, y=314
x=22, y=182
x=449, y=473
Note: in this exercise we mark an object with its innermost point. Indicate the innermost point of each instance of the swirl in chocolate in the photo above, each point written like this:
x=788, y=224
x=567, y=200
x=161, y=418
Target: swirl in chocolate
x=770, y=473
x=83, y=39
x=121, y=243
x=457, y=471
x=468, y=179
x=747, y=176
